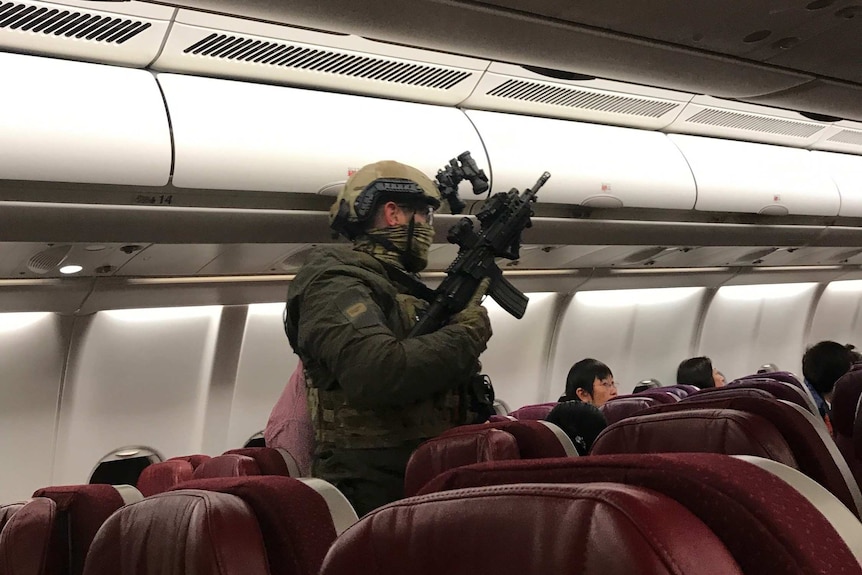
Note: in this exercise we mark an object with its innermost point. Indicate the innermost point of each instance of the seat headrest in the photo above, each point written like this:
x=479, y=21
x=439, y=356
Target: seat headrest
x=624, y=406
x=159, y=477
x=562, y=529
x=8, y=510
x=87, y=507
x=726, y=431
x=230, y=465
x=295, y=520
x=535, y=412
x=767, y=525
x=437, y=455
x=535, y=440
x=270, y=460
x=25, y=542
x=845, y=400
x=195, y=460
x=198, y=532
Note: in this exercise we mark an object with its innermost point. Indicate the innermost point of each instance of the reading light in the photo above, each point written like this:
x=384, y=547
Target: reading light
x=70, y=269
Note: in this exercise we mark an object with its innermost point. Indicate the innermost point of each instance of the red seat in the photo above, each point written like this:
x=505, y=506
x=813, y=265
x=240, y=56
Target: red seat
x=779, y=389
x=159, y=477
x=725, y=431
x=270, y=460
x=845, y=414
x=297, y=521
x=449, y=451
x=535, y=412
x=7, y=511
x=52, y=533
x=180, y=532
x=814, y=452
x=195, y=459
x=535, y=438
x=767, y=525
x=624, y=406
x=230, y=465
x=529, y=529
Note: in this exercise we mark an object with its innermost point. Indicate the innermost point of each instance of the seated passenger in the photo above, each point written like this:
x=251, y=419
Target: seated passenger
x=582, y=422
x=822, y=365
x=855, y=356
x=646, y=384
x=590, y=381
x=698, y=371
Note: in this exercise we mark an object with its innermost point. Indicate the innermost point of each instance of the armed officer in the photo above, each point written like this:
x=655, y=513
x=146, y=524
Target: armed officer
x=373, y=393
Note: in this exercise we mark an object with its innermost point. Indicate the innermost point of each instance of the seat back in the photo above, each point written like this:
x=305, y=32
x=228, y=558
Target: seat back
x=160, y=477
x=270, y=460
x=562, y=529
x=180, y=532
x=815, y=453
x=195, y=459
x=8, y=510
x=780, y=390
x=297, y=519
x=624, y=406
x=536, y=412
x=660, y=394
x=59, y=525
x=535, y=439
x=845, y=412
x=726, y=431
x=766, y=524
x=230, y=465
x=439, y=454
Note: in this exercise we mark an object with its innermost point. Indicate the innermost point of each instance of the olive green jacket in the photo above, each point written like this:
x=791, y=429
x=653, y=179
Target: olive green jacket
x=371, y=386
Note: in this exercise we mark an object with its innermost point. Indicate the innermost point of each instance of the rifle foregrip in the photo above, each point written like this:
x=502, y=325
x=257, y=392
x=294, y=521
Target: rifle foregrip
x=509, y=297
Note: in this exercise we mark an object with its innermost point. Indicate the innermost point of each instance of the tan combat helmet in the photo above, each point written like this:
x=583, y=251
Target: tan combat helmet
x=358, y=200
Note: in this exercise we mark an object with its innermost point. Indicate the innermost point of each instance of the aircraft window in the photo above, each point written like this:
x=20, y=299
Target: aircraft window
x=255, y=440
x=123, y=466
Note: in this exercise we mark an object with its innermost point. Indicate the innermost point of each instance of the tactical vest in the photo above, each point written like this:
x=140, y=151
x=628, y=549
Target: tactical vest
x=338, y=424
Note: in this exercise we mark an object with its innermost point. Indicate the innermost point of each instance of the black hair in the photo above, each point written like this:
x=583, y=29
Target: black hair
x=695, y=371
x=823, y=363
x=582, y=375
x=582, y=422
x=855, y=356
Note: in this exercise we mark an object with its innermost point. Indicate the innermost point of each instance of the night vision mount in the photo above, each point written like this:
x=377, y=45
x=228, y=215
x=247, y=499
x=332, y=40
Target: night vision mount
x=459, y=169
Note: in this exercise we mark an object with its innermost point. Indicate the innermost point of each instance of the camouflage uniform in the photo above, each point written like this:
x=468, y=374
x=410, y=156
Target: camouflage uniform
x=374, y=394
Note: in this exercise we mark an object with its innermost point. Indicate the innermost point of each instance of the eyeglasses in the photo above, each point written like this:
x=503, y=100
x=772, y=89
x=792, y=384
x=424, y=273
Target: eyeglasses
x=424, y=211
x=607, y=384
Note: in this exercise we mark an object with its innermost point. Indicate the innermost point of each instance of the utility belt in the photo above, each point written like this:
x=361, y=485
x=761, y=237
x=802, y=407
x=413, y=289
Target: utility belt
x=343, y=426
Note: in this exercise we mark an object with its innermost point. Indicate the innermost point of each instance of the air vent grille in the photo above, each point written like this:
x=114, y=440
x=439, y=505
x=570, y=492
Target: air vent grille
x=574, y=98
x=77, y=24
x=326, y=61
x=750, y=122
x=847, y=137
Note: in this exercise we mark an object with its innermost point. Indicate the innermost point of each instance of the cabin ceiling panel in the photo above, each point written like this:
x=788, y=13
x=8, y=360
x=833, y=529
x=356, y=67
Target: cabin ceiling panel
x=243, y=259
x=514, y=34
x=171, y=259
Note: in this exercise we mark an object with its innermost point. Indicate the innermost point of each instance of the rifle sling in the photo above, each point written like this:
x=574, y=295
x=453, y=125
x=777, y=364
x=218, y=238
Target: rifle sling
x=414, y=286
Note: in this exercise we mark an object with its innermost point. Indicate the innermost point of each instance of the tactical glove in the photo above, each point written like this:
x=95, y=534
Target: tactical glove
x=474, y=317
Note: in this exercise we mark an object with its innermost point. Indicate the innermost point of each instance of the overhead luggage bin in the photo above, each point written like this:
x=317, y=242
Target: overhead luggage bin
x=590, y=164
x=846, y=172
x=237, y=136
x=510, y=88
x=126, y=33
x=214, y=45
x=757, y=178
x=64, y=121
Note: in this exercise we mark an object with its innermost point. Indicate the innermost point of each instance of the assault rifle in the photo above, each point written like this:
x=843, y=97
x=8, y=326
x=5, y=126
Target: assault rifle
x=501, y=221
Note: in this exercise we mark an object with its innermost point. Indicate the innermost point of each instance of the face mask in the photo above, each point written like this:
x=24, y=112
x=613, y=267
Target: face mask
x=416, y=259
